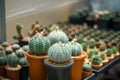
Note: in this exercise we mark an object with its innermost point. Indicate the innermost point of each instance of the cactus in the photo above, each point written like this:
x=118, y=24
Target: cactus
x=25, y=47
x=102, y=47
x=91, y=43
x=102, y=56
x=20, y=53
x=19, y=33
x=5, y=44
x=84, y=46
x=115, y=50
x=57, y=35
x=39, y=44
x=109, y=52
x=95, y=51
x=2, y=54
x=90, y=54
x=96, y=60
x=87, y=67
x=59, y=52
x=12, y=60
x=23, y=61
x=3, y=61
x=0, y=48
x=8, y=51
x=15, y=47
x=80, y=40
x=75, y=47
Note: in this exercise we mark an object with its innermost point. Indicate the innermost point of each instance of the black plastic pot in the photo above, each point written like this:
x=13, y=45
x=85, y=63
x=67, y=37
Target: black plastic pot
x=22, y=43
x=24, y=73
x=103, y=24
x=58, y=72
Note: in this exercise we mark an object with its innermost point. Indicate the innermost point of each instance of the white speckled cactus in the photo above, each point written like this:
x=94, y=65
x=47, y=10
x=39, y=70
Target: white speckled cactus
x=39, y=44
x=59, y=52
x=75, y=47
x=57, y=35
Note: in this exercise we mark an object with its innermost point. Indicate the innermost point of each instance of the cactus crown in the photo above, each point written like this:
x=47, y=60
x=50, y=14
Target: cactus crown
x=25, y=47
x=91, y=43
x=102, y=47
x=109, y=52
x=8, y=51
x=115, y=50
x=5, y=44
x=90, y=54
x=87, y=67
x=23, y=61
x=57, y=35
x=3, y=61
x=59, y=52
x=20, y=53
x=12, y=60
x=15, y=47
x=84, y=46
x=96, y=60
x=39, y=44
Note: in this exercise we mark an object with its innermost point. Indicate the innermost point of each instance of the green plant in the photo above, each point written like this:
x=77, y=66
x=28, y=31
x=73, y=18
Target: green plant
x=106, y=40
x=102, y=47
x=25, y=47
x=80, y=40
x=97, y=39
x=12, y=60
x=3, y=61
x=15, y=47
x=91, y=16
x=5, y=44
x=96, y=60
x=39, y=44
x=20, y=53
x=109, y=52
x=84, y=46
x=102, y=56
x=90, y=54
x=8, y=51
x=114, y=43
x=59, y=53
x=2, y=54
x=0, y=48
x=115, y=50
x=91, y=43
x=87, y=67
x=57, y=35
x=19, y=32
x=23, y=61
x=95, y=51
x=104, y=16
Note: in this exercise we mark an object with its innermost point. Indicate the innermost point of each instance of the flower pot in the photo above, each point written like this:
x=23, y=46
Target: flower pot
x=59, y=72
x=110, y=58
x=24, y=73
x=76, y=71
x=37, y=69
x=116, y=55
x=13, y=72
x=2, y=71
x=86, y=74
x=96, y=67
x=106, y=61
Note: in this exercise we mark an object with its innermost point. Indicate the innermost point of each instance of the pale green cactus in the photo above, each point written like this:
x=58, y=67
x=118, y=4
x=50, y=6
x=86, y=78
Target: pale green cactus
x=8, y=51
x=23, y=61
x=25, y=47
x=87, y=67
x=39, y=44
x=15, y=47
x=5, y=44
x=20, y=53
x=59, y=52
x=57, y=35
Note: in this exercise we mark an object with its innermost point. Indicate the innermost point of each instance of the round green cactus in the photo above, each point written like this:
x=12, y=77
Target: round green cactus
x=102, y=56
x=90, y=54
x=96, y=60
x=3, y=61
x=59, y=52
x=5, y=44
x=20, y=53
x=2, y=54
x=12, y=60
x=39, y=44
x=109, y=52
x=102, y=47
x=80, y=40
x=8, y=51
x=91, y=43
x=57, y=35
x=115, y=50
x=75, y=47
x=23, y=61
x=84, y=46
x=25, y=47
x=87, y=67
x=15, y=47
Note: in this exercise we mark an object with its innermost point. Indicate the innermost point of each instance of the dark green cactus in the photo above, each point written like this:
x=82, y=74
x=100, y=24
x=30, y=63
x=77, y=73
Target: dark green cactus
x=15, y=47
x=109, y=52
x=84, y=46
x=0, y=48
x=96, y=60
x=23, y=61
x=91, y=43
x=2, y=54
x=3, y=61
x=102, y=47
x=102, y=56
x=8, y=51
x=95, y=51
x=25, y=47
x=20, y=53
x=87, y=67
x=80, y=40
x=115, y=50
x=90, y=54
x=5, y=44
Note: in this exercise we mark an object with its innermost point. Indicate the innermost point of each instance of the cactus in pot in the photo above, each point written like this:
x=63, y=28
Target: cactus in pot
x=109, y=54
x=20, y=53
x=5, y=45
x=15, y=47
x=91, y=43
x=84, y=46
x=102, y=47
x=90, y=54
x=115, y=51
x=87, y=67
x=25, y=47
x=8, y=51
x=104, y=59
x=57, y=35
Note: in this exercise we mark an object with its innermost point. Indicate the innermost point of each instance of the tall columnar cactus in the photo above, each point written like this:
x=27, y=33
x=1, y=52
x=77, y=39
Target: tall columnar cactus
x=19, y=33
x=75, y=47
x=39, y=44
x=20, y=53
x=59, y=52
x=3, y=61
x=12, y=60
x=57, y=35
x=87, y=67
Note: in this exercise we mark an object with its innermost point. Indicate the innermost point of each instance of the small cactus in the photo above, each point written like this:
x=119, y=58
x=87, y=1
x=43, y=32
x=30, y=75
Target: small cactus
x=12, y=60
x=115, y=50
x=102, y=56
x=91, y=43
x=8, y=51
x=23, y=61
x=0, y=48
x=57, y=35
x=3, y=61
x=95, y=51
x=59, y=52
x=90, y=54
x=102, y=47
x=5, y=44
x=15, y=47
x=2, y=54
x=87, y=67
x=84, y=46
x=80, y=40
x=96, y=60
x=39, y=44
x=20, y=53
x=109, y=52
x=25, y=47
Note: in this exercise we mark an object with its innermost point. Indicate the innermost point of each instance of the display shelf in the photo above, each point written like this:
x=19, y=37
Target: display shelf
x=91, y=77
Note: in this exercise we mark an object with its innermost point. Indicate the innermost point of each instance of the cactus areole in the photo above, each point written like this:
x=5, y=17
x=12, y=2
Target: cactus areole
x=39, y=44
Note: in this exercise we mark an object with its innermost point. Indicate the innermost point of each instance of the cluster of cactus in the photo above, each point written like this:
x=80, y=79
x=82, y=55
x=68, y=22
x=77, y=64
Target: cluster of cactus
x=5, y=44
x=109, y=52
x=87, y=67
x=8, y=51
x=91, y=43
x=23, y=61
x=57, y=35
x=25, y=47
x=115, y=50
x=96, y=60
x=102, y=56
x=20, y=53
x=102, y=47
x=15, y=47
x=59, y=52
x=39, y=44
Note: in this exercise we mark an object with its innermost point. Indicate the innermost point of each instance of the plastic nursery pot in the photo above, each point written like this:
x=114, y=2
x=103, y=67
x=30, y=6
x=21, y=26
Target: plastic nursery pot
x=96, y=67
x=13, y=73
x=58, y=72
x=2, y=71
x=24, y=72
x=85, y=74
x=37, y=69
x=76, y=71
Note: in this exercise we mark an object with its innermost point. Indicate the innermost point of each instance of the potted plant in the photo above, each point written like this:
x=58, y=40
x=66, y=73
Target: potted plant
x=5, y=45
x=12, y=67
x=87, y=71
x=115, y=51
x=109, y=54
x=22, y=40
x=91, y=44
x=84, y=46
x=98, y=41
x=102, y=48
x=8, y=51
x=104, y=59
x=15, y=47
x=96, y=62
x=20, y=53
x=38, y=47
x=25, y=48
x=24, y=72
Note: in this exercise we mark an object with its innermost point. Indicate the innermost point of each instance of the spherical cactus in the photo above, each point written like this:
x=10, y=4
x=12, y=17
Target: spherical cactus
x=109, y=52
x=91, y=43
x=75, y=47
x=115, y=50
x=59, y=52
x=2, y=54
x=5, y=44
x=84, y=46
x=95, y=51
x=39, y=44
x=3, y=61
x=0, y=48
x=23, y=61
x=57, y=35
x=12, y=60
x=96, y=60
x=102, y=47
x=8, y=51
x=25, y=47
x=15, y=47
x=90, y=54
x=87, y=67
x=20, y=53
x=102, y=56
